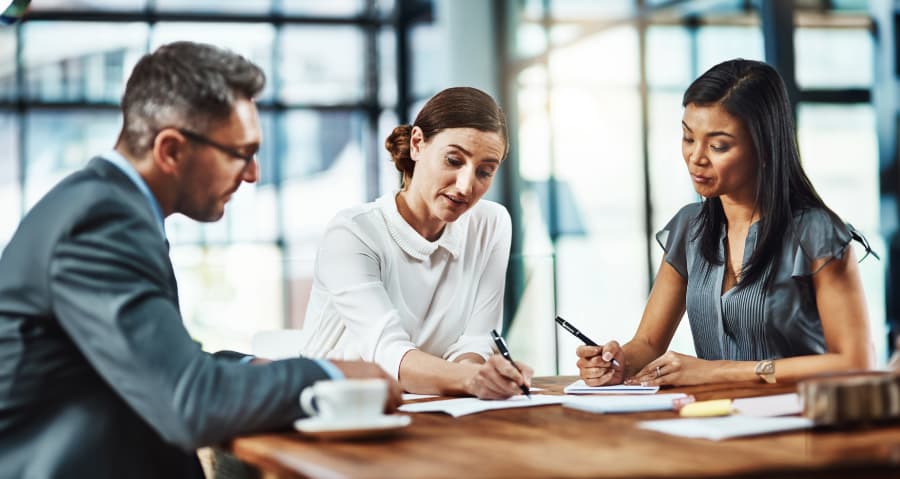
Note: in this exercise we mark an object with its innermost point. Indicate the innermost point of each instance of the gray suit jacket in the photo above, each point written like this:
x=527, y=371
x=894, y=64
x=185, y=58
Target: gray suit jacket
x=98, y=376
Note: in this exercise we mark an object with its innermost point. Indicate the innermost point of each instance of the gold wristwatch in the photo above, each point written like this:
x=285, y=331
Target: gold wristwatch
x=765, y=369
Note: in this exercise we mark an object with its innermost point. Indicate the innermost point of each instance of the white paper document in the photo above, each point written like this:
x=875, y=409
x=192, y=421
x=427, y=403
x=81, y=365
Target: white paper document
x=579, y=387
x=769, y=406
x=620, y=403
x=411, y=396
x=718, y=428
x=462, y=406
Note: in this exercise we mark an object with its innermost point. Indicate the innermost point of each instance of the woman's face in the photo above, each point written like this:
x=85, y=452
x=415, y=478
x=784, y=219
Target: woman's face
x=718, y=152
x=454, y=169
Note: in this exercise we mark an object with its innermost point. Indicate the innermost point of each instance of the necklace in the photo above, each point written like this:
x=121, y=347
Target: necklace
x=732, y=267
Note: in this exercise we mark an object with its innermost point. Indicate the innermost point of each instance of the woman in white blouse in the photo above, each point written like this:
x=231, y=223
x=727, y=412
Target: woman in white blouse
x=414, y=280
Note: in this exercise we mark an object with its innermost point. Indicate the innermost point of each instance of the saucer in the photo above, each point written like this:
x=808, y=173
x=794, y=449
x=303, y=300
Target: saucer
x=371, y=427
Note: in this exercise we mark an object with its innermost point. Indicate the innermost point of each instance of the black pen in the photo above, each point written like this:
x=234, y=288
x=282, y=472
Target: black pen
x=578, y=334
x=504, y=351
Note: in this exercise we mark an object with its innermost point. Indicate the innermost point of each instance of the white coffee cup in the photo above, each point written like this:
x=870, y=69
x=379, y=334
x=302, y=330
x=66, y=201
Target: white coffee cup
x=345, y=401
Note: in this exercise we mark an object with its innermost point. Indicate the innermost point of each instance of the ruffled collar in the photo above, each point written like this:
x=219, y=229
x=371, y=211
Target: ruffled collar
x=409, y=240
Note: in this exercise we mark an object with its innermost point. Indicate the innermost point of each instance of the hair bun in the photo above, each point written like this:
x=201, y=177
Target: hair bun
x=397, y=144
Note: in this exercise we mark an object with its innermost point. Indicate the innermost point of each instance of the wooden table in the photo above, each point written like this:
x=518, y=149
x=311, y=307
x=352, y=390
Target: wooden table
x=552, y=441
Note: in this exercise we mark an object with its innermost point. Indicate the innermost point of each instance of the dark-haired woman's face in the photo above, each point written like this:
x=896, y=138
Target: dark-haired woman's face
x=454, y=169
x=718, y=152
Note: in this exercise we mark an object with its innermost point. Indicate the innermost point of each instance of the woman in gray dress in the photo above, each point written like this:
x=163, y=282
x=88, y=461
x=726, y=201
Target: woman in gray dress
x=764, y=269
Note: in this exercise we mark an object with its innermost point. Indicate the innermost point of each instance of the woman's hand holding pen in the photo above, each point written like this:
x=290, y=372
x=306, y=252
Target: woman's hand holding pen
x=596, y=367
x=498, y=379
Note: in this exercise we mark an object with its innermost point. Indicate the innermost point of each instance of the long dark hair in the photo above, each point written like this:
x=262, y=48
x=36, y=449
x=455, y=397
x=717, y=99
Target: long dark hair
x=457, y=107
x=754, y=92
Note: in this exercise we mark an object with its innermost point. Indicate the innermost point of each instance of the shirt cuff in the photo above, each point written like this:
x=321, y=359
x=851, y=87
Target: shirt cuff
x=391, y=356
x=330, y=369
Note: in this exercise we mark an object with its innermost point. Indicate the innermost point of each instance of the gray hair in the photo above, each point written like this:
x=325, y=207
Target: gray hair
x=185, y=85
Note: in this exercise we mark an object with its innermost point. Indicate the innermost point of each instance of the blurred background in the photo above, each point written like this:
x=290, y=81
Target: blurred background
x=593, y=92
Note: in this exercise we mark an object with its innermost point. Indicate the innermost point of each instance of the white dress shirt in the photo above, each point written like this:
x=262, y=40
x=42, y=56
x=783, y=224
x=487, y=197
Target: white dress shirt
x=380, y=289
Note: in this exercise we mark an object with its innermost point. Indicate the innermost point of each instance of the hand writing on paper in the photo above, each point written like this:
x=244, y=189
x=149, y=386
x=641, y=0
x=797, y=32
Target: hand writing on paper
x=595, y=364
x=365, y=370
x=498, y=379
x=674, y=369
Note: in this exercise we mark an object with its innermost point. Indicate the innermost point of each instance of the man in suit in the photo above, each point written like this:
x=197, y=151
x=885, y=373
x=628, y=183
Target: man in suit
x=98, y=376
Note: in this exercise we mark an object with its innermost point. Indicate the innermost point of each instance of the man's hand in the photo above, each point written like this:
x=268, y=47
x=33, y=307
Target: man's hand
x=367, y=370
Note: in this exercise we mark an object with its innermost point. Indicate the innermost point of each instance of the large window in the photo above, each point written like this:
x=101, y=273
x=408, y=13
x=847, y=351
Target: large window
x=594, y=94
x=331, y=95
x=10, y=179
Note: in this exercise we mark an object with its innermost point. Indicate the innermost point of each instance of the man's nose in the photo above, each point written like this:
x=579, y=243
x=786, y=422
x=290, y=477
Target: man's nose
x=251, y=171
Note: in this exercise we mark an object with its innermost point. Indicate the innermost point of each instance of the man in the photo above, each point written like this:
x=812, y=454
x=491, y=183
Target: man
x=98, y=377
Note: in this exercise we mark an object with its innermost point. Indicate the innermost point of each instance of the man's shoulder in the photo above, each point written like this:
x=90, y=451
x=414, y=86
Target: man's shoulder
x=83, y=196
x=98, y=182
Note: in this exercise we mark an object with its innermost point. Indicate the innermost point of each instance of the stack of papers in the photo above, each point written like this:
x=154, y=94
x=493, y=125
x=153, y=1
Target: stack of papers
x=413, y=396
x=462, y=406
x=718, y=428
x=579, y=387
x=618, y=403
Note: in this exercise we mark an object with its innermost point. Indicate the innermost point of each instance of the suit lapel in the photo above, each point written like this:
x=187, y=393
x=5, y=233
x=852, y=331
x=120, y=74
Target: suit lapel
x=136, y=198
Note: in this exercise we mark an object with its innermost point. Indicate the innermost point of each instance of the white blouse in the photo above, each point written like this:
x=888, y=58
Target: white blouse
x=380, y=289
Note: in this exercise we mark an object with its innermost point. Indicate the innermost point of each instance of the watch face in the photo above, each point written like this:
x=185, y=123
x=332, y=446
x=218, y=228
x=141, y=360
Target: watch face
x=765, y=367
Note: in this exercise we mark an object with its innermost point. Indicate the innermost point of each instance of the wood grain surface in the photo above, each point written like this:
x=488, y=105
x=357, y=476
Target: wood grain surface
x=552, y=441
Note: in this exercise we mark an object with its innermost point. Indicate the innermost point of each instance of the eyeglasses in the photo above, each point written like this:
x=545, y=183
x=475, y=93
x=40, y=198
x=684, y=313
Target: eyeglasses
x=224, y=149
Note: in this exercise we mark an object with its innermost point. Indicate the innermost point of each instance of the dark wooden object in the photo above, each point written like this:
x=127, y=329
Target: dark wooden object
x=851, y=399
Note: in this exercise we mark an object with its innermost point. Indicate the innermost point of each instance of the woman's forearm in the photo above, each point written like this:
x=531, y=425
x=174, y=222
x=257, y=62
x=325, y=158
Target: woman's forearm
x=787, y=369
x=423, y=373
x=637, y=354
x=791, y=369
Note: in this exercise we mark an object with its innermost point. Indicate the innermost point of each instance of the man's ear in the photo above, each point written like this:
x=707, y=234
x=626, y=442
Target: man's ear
x=167, y=150
x=416, y=142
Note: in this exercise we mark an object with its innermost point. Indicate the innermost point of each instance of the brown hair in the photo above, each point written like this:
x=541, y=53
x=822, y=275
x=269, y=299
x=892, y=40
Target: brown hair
x=458, y=107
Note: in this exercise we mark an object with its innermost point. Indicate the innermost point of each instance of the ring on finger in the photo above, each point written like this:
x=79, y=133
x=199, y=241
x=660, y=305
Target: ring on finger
x=658, y=372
